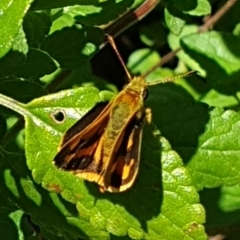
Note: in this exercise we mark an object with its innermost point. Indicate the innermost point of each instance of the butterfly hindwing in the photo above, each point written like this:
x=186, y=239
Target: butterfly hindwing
x=126, y=162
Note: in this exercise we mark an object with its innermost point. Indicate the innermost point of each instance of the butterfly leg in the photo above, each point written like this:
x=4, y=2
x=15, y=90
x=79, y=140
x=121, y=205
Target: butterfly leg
x=148, y=115
x=148, y=119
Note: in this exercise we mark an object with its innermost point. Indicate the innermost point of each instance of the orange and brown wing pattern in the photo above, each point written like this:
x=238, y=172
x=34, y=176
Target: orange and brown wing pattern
x=81, y=143
x=121, y=143
x=104, y=146
x=125, y=165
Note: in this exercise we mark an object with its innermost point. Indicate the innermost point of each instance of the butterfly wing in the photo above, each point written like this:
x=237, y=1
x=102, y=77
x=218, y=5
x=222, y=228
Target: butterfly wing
x=82, y=142
x=126, y=163
x=85, y=152
x=121, y=143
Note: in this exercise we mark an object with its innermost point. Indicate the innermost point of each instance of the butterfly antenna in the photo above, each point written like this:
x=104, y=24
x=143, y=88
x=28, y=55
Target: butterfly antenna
x=112, y=43
x=190, y=73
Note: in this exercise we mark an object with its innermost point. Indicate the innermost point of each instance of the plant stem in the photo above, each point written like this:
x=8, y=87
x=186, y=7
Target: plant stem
x=13, y=105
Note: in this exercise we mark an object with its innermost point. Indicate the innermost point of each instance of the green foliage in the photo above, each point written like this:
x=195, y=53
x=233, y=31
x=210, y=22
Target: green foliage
x=189, y=157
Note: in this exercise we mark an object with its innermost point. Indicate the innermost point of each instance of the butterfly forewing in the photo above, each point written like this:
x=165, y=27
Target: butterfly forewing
x=77, y=150
x=84, y=122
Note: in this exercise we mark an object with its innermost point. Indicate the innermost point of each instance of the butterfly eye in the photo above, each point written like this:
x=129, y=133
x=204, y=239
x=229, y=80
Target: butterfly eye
x=58, y=116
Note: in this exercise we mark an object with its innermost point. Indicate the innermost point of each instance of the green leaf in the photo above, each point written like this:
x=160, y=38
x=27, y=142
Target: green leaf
x=43, y=207
x=217, y=151
x=192, y=7
x=219, y=55
x=13, y=225
x=84, y=77
x=20, y=44
x=217, y=99
x=236, y=30
x=229, y=200
x=214, y=55
x=162, y=196
x=62, y=21
x=10, y=63
x=36, y=26
x=221, y=48
x=174, y=42
x=37, y=64
x=142, y=60
x=29, y=90
x=81, y=45
x=217, y=216
x=100, y=14
x=153, y=34
x=11, y=15
x=49, y=4
x=174, y=22
x=203, y=8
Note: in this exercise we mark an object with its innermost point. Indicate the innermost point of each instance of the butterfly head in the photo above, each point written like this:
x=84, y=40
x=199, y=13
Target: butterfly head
x=138, y=85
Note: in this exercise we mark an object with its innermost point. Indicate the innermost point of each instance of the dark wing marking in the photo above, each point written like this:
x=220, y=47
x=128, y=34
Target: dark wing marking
x=82, y=139
x=126, y=161
x=84, y=121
